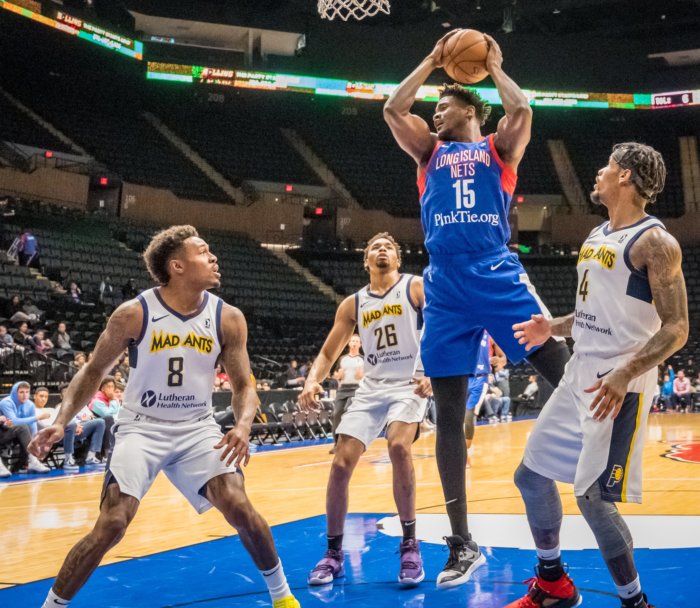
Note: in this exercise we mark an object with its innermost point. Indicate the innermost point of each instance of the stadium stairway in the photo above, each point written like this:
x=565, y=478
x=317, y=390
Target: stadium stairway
x=236, y=194
x=305, y=273
x=566, y=172
x=319, y=167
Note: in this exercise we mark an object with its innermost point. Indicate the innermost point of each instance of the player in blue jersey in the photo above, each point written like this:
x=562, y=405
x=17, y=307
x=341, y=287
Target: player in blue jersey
x=489, y=355
x=466, y=182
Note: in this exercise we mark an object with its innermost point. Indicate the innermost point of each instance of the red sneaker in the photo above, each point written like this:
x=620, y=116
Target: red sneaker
x=562, y=594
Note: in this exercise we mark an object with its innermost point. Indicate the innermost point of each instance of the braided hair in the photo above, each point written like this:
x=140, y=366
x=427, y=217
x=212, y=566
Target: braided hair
x=647, y=167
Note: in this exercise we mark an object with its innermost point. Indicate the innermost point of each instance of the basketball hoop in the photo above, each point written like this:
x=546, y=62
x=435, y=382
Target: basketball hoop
x=357, y=9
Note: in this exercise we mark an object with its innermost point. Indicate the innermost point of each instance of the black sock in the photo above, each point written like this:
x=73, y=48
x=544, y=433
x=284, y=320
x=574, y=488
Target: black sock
x=335, y=542
x=409, y=529
x=551, y=569
x=637, y=601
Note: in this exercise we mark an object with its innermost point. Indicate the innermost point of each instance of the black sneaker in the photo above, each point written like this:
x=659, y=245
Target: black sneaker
x=637, y=602
x=465, y=557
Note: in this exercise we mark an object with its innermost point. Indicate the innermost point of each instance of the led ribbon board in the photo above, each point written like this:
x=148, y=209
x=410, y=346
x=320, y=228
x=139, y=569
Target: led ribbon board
x=192, y=74
x=82, y=29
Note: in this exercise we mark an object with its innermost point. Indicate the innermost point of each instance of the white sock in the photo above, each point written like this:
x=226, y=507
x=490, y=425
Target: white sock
x=276, y=582
x=548, y=554
x=53, y=601
x=630, y=589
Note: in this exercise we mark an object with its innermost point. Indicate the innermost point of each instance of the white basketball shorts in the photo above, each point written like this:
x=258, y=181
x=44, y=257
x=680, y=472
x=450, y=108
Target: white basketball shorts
x=184, y=451
x=568, y=445
x=378, y=403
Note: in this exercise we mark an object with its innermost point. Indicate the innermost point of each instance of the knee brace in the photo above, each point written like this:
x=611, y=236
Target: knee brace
x=604, y=519
x=541, y=498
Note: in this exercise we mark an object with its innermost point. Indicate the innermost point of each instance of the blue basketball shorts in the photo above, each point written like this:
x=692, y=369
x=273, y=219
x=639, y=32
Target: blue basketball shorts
x=467, y=293
x=477, y=386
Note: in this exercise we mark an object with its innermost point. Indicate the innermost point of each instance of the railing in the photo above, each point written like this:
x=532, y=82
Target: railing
x=19, y=363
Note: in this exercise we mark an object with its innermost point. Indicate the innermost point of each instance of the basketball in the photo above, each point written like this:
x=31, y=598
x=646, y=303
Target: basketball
x=464, y=56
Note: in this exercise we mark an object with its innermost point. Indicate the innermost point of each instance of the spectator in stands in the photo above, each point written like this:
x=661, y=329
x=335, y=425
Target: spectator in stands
x=82, y=428
x=123, y=366
x=28, y=249
x=220, y=376
x=118, y=394
x=40, y=343
x=17, y=410
x=681, y=392
x=16, y=313
x=61, y=340
x=106, y=290
x=41, y=398
x=493, y=402
x=19, y=435
x=74, y=292
x=350, y=371
x=129, y=290
x=23, y=337
x=530, y=391
x=502, y=381
x=79, y=360
x=118, y=377
x=294, y=378
x=265, y=385
x=102, y=405
x=6, y=341
x=34, y=313
x=666, y=396
x=690, y=370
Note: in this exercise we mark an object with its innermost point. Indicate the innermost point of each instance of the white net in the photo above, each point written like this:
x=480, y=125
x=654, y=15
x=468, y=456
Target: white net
x=357, y=9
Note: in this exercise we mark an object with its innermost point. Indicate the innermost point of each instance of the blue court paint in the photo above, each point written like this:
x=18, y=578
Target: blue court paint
x=219, y=574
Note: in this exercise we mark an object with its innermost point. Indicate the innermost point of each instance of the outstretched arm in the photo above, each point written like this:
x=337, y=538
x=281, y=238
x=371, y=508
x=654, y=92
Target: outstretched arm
x=123, y=326
x=337, y=339
x=658, y=252
x=539, y=329
x=411, y=132
x=513, y=133
x=244, y=399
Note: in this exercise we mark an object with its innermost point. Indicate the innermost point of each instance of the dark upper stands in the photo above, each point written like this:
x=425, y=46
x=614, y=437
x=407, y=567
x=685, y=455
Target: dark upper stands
x=239, y=140
x=17, y=127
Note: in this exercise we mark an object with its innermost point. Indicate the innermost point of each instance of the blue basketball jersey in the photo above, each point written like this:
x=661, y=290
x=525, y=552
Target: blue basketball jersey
x=465, y=193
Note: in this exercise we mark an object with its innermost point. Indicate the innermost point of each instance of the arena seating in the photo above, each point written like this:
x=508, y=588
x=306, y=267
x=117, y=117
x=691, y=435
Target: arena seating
x=17, y=127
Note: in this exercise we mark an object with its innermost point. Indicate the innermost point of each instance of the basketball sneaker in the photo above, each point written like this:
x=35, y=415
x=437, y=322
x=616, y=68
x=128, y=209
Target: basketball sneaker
x=562, y=593
x=36, y=466
x=411, y=572
x=329, y=568
x=637, y=602
x=94, y=461
x=69, y=464
x=4, y=471
x=286, y=602
x=465, y=557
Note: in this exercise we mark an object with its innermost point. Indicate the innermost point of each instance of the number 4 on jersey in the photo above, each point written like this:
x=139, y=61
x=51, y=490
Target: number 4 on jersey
x=583, y=287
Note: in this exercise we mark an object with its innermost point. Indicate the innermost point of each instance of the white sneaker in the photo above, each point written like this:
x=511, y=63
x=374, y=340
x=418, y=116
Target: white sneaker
x=94, y=461
x=4, y=471
x=36, y=466
x=69, y=464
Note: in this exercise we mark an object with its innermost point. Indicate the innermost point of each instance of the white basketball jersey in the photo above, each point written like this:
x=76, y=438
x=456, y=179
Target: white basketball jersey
x=389, y=328
x=614, y=313
x=172, y=362
x=349, y=364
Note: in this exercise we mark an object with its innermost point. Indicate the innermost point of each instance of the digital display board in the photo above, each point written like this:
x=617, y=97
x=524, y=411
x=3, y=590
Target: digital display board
x=229, y=77
x=81, y=29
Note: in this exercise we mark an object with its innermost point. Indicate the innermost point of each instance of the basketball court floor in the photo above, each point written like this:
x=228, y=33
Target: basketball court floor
x=172, y=557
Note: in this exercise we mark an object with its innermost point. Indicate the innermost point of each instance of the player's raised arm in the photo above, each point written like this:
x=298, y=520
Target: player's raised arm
x=123, y=326
x=338, y=337
x=411, y=132
x=244, y=399
x=513, y=133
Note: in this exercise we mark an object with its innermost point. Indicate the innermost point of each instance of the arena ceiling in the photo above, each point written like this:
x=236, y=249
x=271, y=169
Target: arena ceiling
x=549, y=17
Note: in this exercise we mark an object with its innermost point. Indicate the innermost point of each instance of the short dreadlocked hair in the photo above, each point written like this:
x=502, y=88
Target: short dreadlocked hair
x=388, y=237
x=647, y=167
x=162, y=248
x=468, y=96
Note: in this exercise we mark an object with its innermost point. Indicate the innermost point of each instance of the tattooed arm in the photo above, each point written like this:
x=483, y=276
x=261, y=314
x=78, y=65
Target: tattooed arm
x=659, y=253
